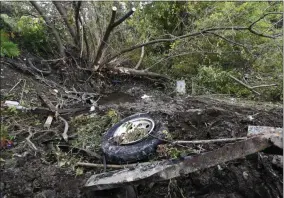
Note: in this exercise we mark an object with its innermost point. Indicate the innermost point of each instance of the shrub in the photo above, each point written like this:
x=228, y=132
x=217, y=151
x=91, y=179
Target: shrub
x=8, y=48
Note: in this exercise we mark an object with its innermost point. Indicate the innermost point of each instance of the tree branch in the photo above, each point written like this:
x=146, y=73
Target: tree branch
x=206, y=31
x=110, y=27
x=250, y=28
x=135, y=72
x=245, y=85
x=119, y=21
x=105, y=38
x=141, y=58
x=229, y=41
x=51, y=26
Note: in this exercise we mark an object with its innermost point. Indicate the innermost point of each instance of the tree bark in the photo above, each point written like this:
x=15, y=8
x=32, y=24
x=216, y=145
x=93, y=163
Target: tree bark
x=77, y=16
x=63, y=14
x=135, y=72
x=51, y=26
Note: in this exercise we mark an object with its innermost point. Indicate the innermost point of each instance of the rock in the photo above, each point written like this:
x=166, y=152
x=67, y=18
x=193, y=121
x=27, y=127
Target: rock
x=245, y=175
x=2, y=186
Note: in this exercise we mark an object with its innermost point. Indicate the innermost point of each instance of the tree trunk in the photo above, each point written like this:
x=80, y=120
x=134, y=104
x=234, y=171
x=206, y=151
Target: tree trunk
x=51, y=26
x=63, y=14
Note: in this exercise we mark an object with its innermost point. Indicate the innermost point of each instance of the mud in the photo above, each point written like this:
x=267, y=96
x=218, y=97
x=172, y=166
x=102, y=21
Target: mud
x=188, y=118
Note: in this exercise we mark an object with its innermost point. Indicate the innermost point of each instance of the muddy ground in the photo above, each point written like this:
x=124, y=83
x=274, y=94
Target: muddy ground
x=50, y=172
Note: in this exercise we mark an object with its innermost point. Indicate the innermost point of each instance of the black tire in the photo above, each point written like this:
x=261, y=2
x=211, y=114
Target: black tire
x=134, y=152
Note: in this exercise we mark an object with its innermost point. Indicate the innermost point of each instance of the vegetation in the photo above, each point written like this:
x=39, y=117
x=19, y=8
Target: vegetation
x=8, y=48
x=201, y=42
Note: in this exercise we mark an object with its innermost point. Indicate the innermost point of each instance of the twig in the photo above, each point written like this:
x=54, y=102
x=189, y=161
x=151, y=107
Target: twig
x=260, y=18
x=23, y=89
x=245, y=85
x=29, y=140
x=66, y=127
x=15, y=86
x=82, y=42
x=86, y=151
x=208, y=141
x=53, y=60
x=259, y=86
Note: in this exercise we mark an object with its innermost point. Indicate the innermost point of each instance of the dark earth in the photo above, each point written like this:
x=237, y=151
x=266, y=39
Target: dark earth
x=29, y=173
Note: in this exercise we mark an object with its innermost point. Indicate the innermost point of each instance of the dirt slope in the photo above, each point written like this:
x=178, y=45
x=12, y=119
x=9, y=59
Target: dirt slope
x=26, y=173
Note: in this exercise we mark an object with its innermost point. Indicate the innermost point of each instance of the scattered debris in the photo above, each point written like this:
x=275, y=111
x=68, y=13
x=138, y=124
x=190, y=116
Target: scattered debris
x=180, y=87
x=168, y=169
x=145, y=96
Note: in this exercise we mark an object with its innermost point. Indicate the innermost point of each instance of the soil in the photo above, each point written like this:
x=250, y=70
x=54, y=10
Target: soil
x=28, y=173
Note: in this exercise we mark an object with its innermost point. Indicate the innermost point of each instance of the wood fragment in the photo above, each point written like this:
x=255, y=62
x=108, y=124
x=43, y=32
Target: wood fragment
x=29, y=140
x=66, y=127
x=47, y=101
x=116, y=166
x=48, y=122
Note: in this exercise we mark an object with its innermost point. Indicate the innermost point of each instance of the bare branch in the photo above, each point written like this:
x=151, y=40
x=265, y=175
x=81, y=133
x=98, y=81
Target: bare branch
x=245, y=85
x=141, y=58
x=206, y=31
x=119, y=21
x=106, y=36
x=202, y=32
x=250, y=28
x=260, y=86
x=229, y=41
x=110, y=27
x=209, y=141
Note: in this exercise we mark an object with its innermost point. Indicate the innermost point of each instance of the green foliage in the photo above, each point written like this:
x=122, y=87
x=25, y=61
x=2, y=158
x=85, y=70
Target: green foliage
x=210, y=58
x=91, y=128
x=30, y=31
x=33, y=33
x=3, y=131
x=215, y=80
x=8, y=48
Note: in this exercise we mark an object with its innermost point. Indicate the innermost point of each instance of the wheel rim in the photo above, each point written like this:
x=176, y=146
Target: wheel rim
x=134, y=130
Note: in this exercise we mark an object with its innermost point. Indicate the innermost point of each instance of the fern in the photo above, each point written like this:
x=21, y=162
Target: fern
x=7, y=47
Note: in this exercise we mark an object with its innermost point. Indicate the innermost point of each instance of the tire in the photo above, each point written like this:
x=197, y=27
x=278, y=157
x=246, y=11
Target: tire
x=134, y=152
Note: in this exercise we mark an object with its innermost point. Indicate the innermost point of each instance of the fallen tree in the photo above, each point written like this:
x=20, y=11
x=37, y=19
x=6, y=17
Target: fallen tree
x=103, y=56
